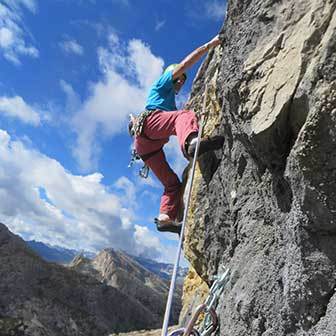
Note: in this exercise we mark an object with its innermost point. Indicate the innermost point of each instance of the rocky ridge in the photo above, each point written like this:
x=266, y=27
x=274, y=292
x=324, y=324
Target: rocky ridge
x=123, y=272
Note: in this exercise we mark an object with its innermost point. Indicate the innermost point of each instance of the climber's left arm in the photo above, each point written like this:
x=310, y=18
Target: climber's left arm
x=194, y=56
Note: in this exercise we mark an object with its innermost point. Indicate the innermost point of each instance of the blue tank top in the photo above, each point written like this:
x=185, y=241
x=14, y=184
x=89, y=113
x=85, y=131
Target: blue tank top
x=162, y=94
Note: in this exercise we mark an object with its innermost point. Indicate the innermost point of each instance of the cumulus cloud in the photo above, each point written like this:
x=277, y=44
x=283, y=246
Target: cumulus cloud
x=13, y=37
x=149, y=181
x=41, y=200
x=145, y=237
x=150, y=246
x=123, y=183
x=16, y=107
x=72, y=47
x=127, y=72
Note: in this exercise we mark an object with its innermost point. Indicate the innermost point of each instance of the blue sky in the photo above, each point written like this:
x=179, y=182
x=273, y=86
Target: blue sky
x=71, y=72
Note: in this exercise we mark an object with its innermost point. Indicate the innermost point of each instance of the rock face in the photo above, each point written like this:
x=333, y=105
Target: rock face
x=123, y=272
x=267, y=211
x=38, y=298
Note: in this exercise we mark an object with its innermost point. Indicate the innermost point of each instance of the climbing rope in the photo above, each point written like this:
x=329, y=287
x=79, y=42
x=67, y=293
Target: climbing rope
x=185, y=215
x=210, y=322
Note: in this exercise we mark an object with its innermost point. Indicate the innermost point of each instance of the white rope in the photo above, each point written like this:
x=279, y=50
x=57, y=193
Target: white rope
x=185, y=214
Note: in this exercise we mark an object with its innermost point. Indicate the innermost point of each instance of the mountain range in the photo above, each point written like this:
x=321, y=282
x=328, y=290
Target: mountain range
x=110, y=294
x=61, y=255
x=121, y=271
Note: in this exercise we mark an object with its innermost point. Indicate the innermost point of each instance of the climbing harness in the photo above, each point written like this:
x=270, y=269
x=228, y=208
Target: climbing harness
x=135, y=127
x=136, y=124
x=185, y=214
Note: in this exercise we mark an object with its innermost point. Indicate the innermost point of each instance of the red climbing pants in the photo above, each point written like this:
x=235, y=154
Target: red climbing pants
x=158, y=127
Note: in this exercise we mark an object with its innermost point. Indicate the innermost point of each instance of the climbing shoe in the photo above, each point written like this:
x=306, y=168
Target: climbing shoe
x=165, y=224
x=206, y=144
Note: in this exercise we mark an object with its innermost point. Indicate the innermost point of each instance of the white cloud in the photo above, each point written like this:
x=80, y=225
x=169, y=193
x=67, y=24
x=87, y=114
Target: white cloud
x=73, y=211
x=207, y=9
x=13, y=36
x=6, y=37
x=150, y=197
x=128, y=71
x=216, y=9
x=164, y=253
x=129, y=189
x=144, y=237
x=16, y=107
x=72, y=47
x=147, y=66
x=113, y=39
x=159, y=24
x=73, y=102
x=31, y=4
x=149, y=181
x=15, y=4
x=175, y=157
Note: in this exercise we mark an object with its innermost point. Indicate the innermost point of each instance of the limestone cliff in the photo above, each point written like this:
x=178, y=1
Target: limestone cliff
x=265, y=206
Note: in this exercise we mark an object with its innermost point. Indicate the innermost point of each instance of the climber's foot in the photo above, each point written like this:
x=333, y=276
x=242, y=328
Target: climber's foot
x=165, y=224
x=206, y=144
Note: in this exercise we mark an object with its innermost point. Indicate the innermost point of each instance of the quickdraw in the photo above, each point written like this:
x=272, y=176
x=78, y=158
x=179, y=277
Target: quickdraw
x=134, y=157
x=210, y=322
x=144, y=171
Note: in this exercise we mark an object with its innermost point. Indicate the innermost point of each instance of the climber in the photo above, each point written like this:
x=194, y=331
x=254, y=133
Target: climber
x=161, y=119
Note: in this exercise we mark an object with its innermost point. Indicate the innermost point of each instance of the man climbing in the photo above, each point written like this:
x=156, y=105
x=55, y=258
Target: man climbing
x=161, y=119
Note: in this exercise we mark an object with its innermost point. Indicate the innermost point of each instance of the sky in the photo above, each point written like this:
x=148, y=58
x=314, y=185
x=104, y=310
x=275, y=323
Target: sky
x=71, y=73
